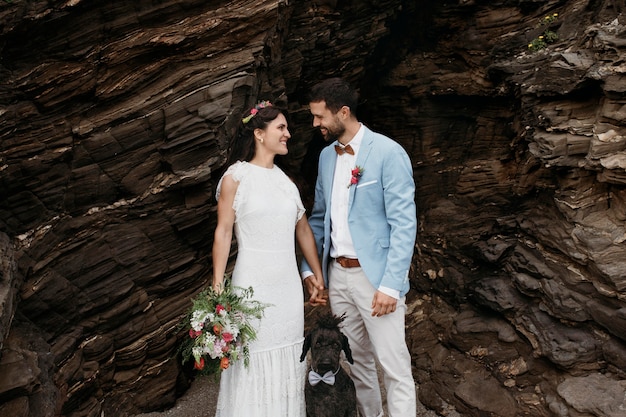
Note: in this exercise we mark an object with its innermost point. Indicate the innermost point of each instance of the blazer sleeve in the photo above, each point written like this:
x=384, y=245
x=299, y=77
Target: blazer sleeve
x=318, y=213
x=399, y=200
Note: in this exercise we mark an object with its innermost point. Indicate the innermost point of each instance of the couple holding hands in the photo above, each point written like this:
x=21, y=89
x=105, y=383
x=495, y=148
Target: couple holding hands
x=362, y=227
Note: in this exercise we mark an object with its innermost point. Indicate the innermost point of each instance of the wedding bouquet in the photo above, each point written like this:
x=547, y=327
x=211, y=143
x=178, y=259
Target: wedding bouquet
x=219, y=328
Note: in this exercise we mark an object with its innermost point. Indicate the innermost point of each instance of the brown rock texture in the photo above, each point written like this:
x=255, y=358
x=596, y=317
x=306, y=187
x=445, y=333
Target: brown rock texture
x=114, y=121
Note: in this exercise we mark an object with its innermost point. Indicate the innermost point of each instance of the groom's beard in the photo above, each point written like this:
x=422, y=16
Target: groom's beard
x=334, y=133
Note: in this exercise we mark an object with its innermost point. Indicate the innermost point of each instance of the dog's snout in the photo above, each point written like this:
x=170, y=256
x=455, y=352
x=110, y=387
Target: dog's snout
x=325, y=359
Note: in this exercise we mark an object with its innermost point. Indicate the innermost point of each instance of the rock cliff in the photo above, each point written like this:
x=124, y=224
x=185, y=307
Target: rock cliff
x=114, y=118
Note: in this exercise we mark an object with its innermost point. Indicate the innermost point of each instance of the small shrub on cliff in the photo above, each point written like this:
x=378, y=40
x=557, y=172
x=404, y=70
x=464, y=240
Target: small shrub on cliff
x=548, y=35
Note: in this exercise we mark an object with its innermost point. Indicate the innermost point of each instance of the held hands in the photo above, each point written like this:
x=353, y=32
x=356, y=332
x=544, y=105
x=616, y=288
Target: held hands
x=315, y=288
x=383, y=304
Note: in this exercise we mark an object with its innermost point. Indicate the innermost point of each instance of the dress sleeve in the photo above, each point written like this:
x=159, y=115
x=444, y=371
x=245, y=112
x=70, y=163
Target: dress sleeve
x=300, y=206
x=237, y=171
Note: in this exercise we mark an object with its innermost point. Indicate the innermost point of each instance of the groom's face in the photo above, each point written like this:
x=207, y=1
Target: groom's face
x=328, y=122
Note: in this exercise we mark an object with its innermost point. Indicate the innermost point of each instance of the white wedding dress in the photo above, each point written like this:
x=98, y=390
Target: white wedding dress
x=267, y=206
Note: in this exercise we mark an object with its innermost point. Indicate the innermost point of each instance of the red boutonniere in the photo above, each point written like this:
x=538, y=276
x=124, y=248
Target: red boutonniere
x=356, y=175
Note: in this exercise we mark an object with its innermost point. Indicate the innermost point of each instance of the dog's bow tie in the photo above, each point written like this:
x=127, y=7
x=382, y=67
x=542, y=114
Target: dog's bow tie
x=315, y=378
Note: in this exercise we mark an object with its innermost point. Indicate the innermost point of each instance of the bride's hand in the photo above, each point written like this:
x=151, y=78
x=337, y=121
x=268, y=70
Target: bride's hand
x=315, y=288
x=218, y=287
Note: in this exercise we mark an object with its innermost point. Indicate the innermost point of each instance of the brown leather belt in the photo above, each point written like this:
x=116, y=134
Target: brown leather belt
x=348, y=262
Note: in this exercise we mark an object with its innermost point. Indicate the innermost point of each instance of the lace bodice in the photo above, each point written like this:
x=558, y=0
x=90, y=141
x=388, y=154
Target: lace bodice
x=267, y=206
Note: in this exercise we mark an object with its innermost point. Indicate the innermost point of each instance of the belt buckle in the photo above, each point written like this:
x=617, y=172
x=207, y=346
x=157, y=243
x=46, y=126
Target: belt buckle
x=347, y=262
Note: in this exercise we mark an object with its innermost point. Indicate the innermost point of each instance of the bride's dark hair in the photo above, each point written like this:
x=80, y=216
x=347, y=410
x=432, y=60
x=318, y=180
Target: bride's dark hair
x=241, y=147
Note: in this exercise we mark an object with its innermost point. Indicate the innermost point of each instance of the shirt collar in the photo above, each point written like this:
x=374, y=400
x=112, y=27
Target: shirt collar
x=355, y=143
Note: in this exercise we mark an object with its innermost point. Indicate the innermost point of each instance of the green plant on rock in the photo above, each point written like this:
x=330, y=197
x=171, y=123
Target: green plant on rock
x=549, y=19
x=548, y=35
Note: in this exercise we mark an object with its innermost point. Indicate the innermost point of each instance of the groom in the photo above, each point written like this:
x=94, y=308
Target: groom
x=364, y=222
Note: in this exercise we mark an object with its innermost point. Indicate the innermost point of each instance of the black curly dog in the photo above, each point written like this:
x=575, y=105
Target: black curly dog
x=329, y=391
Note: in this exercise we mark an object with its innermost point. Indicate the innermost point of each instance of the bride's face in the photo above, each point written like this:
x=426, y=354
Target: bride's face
x=275, y=136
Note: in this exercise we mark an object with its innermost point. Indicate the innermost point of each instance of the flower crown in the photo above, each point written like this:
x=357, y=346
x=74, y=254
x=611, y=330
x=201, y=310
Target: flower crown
x=260, y=105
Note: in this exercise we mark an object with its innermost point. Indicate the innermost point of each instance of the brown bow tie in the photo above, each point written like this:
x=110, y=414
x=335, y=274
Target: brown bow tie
x=347, y=149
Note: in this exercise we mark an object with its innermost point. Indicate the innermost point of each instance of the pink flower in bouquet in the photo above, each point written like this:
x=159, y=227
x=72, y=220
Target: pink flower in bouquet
x=219, y=308
x=194, y=333
x=219, y=347
x=228, y=337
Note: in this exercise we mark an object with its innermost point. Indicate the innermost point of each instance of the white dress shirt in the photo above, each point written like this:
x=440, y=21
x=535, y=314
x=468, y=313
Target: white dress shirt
x=341, y=241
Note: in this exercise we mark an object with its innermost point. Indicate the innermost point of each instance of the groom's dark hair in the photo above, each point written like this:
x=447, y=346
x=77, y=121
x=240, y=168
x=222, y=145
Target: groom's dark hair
x=336, y=93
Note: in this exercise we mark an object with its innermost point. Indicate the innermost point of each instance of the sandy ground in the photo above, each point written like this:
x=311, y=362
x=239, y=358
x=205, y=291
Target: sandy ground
x=200, y=399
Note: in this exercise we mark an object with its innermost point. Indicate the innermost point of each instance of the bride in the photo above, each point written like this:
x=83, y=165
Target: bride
x=263, y=206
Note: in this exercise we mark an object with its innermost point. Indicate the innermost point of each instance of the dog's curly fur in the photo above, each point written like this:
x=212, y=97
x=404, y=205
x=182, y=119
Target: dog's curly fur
x=326, y=342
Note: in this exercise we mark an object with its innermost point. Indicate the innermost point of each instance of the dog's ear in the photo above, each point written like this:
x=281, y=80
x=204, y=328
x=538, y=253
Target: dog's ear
x=306, y=346
x=345, y=345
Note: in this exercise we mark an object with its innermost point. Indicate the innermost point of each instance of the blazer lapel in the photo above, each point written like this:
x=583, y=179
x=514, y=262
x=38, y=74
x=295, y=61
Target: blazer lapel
x=361, y=159
x=329, y=164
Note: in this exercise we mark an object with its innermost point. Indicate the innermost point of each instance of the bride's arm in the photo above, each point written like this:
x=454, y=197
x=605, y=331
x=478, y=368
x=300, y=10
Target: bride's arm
x=224, y=230
x=306, y=240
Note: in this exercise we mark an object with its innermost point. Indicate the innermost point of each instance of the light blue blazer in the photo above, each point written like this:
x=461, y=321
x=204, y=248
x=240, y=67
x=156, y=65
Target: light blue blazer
x=382, y=215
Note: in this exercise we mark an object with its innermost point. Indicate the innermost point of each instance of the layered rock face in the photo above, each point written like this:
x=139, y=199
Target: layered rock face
x=114, y=120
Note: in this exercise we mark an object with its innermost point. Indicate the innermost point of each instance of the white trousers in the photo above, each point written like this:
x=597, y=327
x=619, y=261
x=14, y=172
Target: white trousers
x=373, y=339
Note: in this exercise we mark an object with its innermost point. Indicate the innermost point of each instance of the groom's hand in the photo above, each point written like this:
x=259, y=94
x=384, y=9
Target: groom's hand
x=315, y=289
x=383, y=304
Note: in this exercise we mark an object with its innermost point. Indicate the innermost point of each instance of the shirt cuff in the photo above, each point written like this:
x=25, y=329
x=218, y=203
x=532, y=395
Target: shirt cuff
x=390, y=292
x=306, y=274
